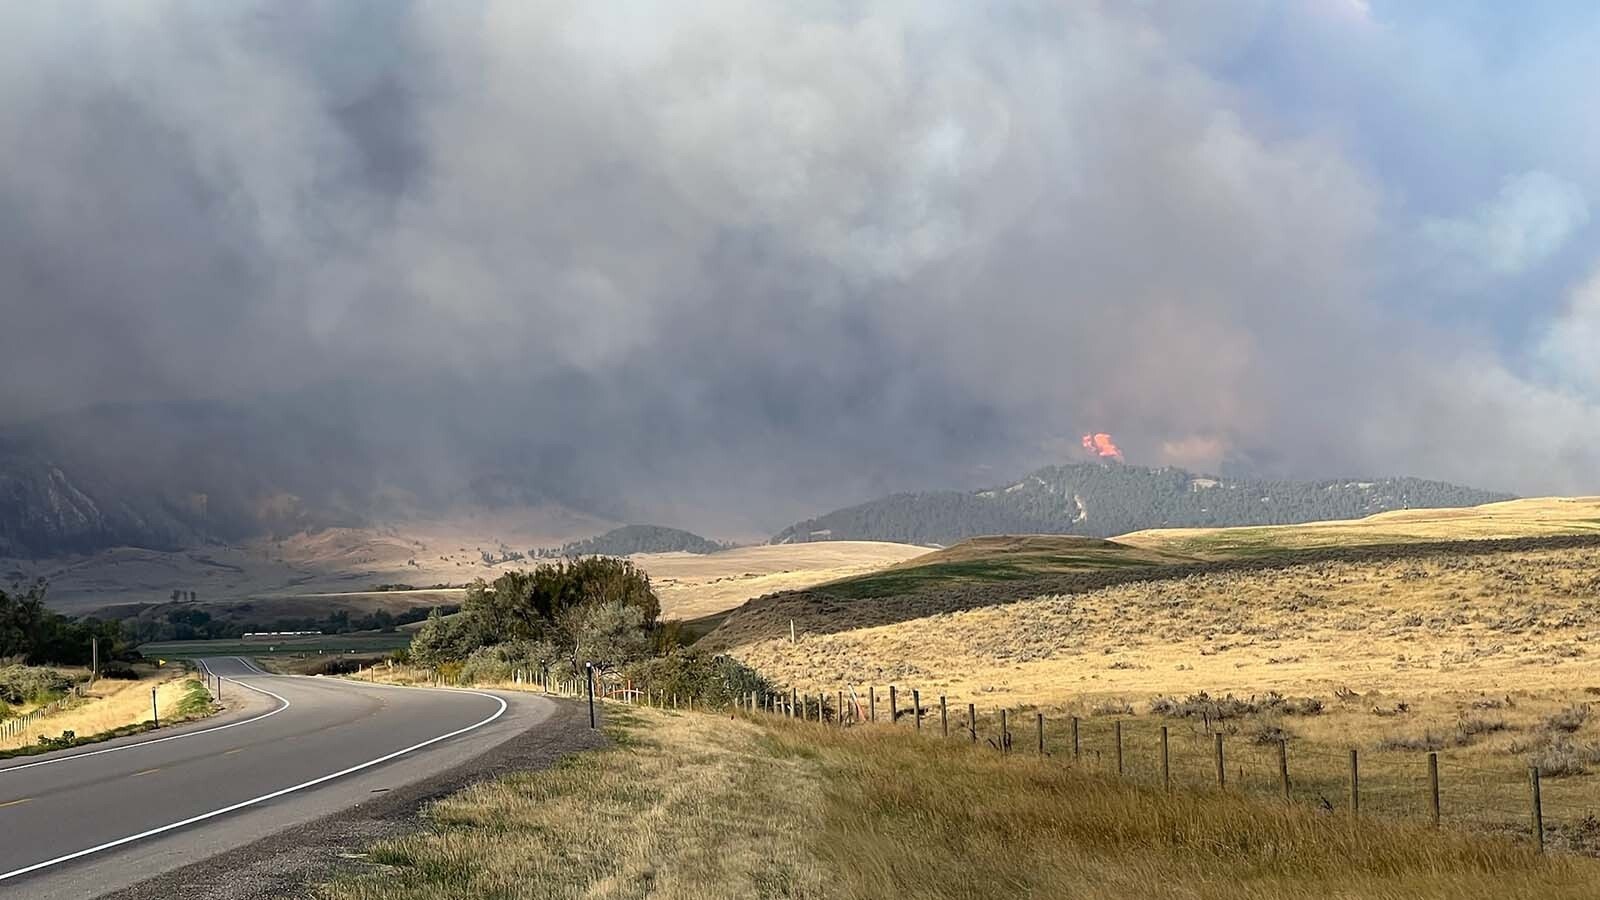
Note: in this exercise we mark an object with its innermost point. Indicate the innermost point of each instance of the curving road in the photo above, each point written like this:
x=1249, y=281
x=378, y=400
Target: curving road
x=83, y=822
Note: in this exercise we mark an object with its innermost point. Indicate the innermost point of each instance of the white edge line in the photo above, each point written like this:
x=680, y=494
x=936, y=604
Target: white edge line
x=283, y=705
x=264, y=797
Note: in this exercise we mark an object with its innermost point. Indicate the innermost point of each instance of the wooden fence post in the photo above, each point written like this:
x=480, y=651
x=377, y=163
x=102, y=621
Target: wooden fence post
x=944, y=718
x=1355, y=783
x=1038, y=719
x=1077, y=746
x=872, y=703
x=1538, y=808
x=1433, y=787
x=1283, y=769
x=1166, y=763
x=1222, y=772
x=1005, y=734
x=916, y=708
x=972, y=721
x=894, y=705
x=1116, y=728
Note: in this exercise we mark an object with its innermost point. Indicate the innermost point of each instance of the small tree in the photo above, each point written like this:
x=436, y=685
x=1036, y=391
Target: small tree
x=608, y=634
x=443, y=639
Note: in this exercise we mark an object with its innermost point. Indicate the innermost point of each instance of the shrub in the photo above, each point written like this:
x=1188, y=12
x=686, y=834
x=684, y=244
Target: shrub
x=1268, y=735
x=1115, y=707
x=22, y=684
x=715, y=680
x=1561, y=756
x=1428, y=741
x=1473, y=726
x=1568, y=720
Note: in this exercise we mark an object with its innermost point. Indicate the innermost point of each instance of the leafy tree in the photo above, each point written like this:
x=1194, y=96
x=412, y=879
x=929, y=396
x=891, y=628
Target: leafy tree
x=37, y=635
x=444, y=639
x=597, y=610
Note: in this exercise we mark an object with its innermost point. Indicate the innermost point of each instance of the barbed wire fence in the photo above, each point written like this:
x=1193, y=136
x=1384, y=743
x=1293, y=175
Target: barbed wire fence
x=1437, y=788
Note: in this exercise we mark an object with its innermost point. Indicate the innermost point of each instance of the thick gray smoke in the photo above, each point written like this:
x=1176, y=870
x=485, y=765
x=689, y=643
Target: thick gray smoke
x=771, y=257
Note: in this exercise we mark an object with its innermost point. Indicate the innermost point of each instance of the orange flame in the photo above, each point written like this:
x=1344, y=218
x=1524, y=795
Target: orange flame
x=1101, y=445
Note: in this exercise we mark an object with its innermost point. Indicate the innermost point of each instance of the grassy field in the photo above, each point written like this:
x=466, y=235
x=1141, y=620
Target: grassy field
x=368, y=643
x=1470, y=633
x=692, y=805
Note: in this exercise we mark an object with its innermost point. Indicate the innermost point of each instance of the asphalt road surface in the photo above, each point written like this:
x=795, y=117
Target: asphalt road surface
x=289, y=750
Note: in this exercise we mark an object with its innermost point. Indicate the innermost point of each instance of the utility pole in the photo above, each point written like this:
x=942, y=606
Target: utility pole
x=94, y=660
x=155, y=711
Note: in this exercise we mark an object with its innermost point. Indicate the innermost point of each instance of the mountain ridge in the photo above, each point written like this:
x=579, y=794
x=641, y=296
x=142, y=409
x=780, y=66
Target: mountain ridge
x=1106, y=499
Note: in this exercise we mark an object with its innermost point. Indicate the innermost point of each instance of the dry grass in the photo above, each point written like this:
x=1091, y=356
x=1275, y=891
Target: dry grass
x=111, y=705
x=693, y=585
x=695, y=806
x=1538, y=517
x=1463, y=621
x=685, y=806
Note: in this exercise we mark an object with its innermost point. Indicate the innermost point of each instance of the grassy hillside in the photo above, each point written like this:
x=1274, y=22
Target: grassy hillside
x=1381, y=602
x=1100, y=500
x=1002, y=558
x=1538, y=517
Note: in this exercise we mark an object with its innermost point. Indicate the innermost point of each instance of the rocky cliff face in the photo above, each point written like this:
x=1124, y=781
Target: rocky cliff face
x=45, y=511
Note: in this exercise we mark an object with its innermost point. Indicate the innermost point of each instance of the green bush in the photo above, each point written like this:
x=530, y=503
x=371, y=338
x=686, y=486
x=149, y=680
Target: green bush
x=25, y=684
x=714, y=680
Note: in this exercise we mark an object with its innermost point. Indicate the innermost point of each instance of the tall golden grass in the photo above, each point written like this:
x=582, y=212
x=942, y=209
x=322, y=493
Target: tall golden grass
x=699, y=806
x=109, y=705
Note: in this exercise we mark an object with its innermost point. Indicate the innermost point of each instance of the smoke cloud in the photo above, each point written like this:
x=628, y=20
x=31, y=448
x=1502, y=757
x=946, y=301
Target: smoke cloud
x=760, y=259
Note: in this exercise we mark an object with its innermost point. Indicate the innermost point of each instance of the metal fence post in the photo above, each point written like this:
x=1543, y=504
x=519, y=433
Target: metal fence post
x=1433, y=787
x=1538, y=808
x=1166, y=763
x=1355, y=784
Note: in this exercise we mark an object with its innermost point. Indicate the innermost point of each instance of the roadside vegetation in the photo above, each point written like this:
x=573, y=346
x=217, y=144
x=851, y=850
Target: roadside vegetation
x=693, y=805
x=113, y=708
x=561, y=618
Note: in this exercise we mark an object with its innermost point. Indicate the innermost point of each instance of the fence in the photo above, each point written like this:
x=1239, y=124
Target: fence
x=1437, y=788
x=22, y=726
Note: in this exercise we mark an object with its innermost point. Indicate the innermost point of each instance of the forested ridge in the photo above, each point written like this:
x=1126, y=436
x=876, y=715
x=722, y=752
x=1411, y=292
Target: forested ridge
x=631, y=539
x=1102, y=500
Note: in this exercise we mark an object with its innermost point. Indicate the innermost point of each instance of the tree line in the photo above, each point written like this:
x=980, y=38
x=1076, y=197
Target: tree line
x=39, y=636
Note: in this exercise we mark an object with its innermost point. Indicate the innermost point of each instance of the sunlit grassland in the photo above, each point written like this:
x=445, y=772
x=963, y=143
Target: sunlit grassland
x=694, y=805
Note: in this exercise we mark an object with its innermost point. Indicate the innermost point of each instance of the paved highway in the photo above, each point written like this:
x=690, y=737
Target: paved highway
x=290, y=749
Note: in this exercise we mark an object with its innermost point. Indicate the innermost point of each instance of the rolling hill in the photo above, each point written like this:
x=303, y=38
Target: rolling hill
x=631, y=539
x=1101, y=500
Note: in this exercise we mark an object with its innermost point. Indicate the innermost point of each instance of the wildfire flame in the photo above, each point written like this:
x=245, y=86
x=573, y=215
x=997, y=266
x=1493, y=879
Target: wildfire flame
x=1101, y=445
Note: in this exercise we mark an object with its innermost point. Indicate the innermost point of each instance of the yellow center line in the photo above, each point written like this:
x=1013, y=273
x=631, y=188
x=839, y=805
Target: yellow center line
x=233, y=751
x=15, y=802
x=145, y=772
